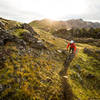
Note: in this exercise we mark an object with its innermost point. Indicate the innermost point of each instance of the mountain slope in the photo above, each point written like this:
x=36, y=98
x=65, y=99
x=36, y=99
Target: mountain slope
x=31, y=66
x=80, y=23
x=50, y=25
x=47, y=25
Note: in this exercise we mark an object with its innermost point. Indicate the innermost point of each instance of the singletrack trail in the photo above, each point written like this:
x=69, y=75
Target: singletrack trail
x=68, y=95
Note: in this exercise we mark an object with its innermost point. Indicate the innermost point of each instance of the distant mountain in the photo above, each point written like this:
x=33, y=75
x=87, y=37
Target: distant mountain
x=50, y=25
x=47, y=24
x=80, y=23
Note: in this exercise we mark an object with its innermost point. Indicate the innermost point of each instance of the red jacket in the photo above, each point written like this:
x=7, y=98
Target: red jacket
x=72, y=46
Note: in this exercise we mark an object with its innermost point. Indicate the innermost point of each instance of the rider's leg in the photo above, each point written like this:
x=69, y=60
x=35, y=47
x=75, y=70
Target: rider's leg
x=70, y=50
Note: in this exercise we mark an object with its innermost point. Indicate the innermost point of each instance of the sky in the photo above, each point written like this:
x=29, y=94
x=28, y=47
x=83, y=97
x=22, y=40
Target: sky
x=29, y=10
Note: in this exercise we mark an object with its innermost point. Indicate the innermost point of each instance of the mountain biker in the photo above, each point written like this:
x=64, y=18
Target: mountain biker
x=72, y=47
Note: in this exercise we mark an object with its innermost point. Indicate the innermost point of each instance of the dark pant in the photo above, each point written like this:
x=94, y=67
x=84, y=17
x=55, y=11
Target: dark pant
x=71, y=50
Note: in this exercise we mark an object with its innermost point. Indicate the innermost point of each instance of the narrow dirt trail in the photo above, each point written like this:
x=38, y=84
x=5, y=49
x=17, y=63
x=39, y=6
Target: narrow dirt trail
x=68, y=95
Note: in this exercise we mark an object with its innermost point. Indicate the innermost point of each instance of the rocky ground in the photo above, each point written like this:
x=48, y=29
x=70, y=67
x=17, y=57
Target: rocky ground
x=33, y=63
x=29, y=66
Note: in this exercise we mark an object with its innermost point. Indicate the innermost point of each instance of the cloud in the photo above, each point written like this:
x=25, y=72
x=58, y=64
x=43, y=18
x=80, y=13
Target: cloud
x=10, y=10
x=28, y=10
x=93, y=11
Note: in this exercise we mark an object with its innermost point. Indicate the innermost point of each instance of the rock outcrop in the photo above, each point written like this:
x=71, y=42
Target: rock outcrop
x=93, y=53
x=5, y=37
x=88, y=51
x=27, y=39
x=29, y=28
x=24, y=26
x=2, y=25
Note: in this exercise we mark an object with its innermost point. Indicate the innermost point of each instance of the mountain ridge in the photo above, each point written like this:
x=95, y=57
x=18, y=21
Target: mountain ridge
x=50, y=25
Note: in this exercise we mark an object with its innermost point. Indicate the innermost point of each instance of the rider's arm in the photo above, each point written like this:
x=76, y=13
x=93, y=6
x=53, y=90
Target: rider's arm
x=74, y=49
x=68, y=45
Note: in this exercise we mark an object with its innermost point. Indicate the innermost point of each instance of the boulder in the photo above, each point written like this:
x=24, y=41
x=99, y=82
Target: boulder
x=5, y=37
x=34, y=42
x=90, y=76
x=59, y=51
x=64, y=52
x=92, y=53
x=88, y=51
x=2, y=25
x=1, y=87
x=39, y=41
x=97, y=51
x=97, y=44
x=1, y=43
x=24, y=26
x=38, y=46
x=29, y=28
x=28, y=37
x=78, y=67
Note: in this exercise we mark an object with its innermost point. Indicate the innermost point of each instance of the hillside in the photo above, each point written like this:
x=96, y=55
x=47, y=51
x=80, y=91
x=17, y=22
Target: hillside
x=90, y=36
x=47, y=25
x=8, y=23
x=32, y=66
x=50, y=25
x=80, y=23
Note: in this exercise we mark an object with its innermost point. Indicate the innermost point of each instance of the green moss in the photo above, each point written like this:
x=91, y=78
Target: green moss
x=85, y=88
x=18, y=32
x=31, y=78
x=37, y=78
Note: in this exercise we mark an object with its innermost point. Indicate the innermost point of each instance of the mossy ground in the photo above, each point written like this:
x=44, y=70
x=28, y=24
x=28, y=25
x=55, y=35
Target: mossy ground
x=18, y=32
x=86, y=88
x=83, y=87
x=35, y=75
x=29, y=77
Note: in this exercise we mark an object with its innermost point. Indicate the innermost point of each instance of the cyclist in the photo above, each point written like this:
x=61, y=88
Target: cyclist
x=72, y=47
